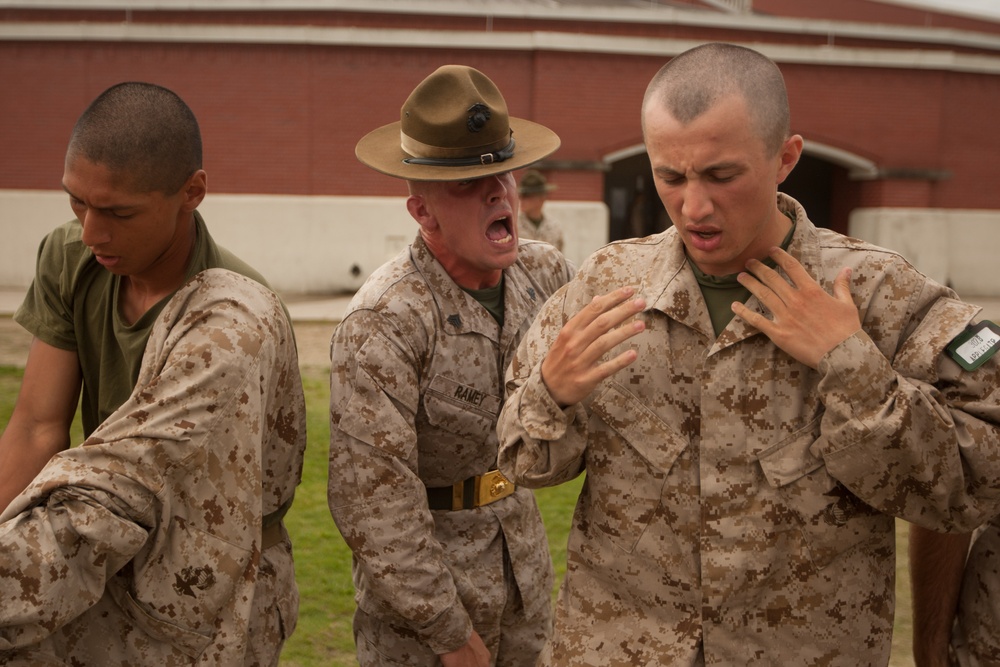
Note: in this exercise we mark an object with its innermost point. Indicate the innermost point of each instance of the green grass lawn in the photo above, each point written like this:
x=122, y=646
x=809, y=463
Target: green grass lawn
x=323, y=563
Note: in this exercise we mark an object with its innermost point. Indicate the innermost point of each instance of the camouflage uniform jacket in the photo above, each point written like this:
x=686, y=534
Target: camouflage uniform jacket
x=416, y=387
x=737, y=506
x=143, y=545
x=548, y=230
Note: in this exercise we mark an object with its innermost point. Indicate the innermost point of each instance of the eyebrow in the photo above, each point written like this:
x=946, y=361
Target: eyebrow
x=721, y=166
x=118, y=207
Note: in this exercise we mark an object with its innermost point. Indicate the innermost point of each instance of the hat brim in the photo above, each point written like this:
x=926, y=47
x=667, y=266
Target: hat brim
x=544, y=190
x=380, y=149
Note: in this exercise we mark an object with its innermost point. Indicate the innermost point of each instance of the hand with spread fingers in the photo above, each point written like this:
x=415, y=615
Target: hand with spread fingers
x=573, y=367
x=806, y=321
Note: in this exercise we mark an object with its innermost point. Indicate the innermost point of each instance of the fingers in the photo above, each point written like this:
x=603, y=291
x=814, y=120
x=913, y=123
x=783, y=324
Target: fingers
x=601, y=305
x=753, y=318
x=593, y=331
x=797, y=275
x=791, y=266
x=802, y=318
x=799, y=282
x=774, y=290
x=767, y=285
x=607, y=342
x=573, y=366
x=842, y=286
x=603, y=332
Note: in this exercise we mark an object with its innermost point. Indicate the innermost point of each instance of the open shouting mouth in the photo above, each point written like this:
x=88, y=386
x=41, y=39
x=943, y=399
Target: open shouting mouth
x=501, y=231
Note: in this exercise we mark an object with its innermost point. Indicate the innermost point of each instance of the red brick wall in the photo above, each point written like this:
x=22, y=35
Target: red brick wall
x=284, y=119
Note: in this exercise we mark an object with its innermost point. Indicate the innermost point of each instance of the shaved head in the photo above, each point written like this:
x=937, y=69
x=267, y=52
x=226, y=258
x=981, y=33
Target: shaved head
x=691, y=83
x=142, y=130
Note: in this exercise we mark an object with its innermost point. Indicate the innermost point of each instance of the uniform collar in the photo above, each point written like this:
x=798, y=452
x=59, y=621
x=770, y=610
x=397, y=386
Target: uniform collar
x=681, y=299
x=804, y=247
x=460, y=313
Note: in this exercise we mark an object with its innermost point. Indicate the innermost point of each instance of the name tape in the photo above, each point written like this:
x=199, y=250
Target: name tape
x=973, y=347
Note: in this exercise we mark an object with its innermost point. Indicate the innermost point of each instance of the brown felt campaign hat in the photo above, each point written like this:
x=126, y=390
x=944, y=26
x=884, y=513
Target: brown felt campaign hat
x=454, y=126
x=534, y=183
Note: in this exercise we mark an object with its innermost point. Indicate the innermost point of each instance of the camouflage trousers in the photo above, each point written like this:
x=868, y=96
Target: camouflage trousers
x=513, y=640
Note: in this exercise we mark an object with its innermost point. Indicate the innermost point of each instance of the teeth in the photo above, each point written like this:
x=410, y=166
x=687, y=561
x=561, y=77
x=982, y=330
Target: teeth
x=509, y=235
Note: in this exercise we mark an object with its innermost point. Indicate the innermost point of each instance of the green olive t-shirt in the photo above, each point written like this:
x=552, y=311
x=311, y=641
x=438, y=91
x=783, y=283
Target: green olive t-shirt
x=71, y=305
x=720, y=292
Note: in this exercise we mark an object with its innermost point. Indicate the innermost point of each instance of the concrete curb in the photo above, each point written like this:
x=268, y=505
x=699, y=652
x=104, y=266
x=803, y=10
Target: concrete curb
x=303, y=308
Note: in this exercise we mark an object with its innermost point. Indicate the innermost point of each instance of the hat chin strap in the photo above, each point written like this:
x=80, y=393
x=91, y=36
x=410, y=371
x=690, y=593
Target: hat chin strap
x=504, y=153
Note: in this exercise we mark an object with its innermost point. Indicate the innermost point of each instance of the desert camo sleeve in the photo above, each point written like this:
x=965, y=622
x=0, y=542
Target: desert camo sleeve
x=541, y=444
x=379, y=503
x=918, y=437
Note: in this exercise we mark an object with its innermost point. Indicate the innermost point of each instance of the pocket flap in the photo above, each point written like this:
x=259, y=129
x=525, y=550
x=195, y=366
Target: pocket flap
x=649, y=435
x=790, y=459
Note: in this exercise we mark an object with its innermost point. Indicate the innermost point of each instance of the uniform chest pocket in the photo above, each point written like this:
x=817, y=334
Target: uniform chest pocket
x=830, y=518
x=461, y=409
x=628, y=460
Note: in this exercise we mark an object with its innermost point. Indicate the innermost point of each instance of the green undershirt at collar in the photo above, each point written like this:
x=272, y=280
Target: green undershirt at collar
x=720, y=292
x=491, y=299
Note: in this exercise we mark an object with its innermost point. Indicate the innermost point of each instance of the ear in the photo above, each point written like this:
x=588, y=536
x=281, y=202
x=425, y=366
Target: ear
x=416, y=205
x=195, y=190
x=789, y=156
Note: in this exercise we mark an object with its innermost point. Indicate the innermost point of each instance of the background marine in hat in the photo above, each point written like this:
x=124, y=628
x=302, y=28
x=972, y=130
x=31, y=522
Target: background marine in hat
x=451, y=563
x=534, y=222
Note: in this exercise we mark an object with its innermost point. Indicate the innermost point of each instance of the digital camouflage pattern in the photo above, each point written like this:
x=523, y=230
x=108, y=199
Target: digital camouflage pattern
x=738, y=505
x=548, y=230
x=143, y=545
x=416, y=387
x=976, y=638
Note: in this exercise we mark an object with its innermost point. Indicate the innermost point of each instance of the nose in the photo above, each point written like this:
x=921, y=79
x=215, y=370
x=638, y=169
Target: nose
x=95, y=231
x=496, y=189
x=697, y=202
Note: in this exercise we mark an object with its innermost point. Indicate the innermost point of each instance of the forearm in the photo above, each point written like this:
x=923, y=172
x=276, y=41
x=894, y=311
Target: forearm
x=22, y=457
x=937, y=564
x=380, y=508
x=39, y=425
x=541, y=444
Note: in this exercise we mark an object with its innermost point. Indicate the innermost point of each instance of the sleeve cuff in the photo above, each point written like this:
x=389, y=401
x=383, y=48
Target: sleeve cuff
x=541, y=417
x=855, y=379
x=449, y=631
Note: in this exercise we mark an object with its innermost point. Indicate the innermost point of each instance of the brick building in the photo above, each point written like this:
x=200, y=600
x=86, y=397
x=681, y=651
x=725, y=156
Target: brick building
x=897, y=106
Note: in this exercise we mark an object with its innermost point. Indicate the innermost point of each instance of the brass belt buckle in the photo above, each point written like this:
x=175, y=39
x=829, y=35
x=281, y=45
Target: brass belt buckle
x=492, y=486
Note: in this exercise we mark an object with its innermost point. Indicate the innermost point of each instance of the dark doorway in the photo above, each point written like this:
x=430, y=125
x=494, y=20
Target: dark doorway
x=633, y=206
x=811, y=183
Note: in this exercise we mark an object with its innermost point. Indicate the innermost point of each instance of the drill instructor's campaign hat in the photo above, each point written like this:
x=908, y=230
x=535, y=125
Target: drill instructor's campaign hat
x=454, y=126
x=534, y=183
